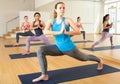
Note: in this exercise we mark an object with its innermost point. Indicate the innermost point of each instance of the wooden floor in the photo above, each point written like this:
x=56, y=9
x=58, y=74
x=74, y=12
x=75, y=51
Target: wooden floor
x=10, y=69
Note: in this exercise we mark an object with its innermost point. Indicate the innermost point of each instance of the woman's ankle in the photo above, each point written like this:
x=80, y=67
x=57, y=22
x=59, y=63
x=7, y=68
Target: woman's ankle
x=100, y=65
x=44, y=75
x=92, y=46
x=26, y=53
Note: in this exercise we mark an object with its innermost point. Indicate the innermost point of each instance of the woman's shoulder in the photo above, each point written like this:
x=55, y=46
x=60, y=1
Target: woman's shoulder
x=22, y=23
x=68, y=19
x=51, y=20
x=105, y=22
x=41, y=21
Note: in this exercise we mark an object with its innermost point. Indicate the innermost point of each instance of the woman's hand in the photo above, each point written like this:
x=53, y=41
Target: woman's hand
x=71, y=23
x=111, y=25
x=36, y=27
x=41, y=27
x=62, y=28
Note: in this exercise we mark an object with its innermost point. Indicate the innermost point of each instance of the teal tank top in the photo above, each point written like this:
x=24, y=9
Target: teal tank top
x=63, y=41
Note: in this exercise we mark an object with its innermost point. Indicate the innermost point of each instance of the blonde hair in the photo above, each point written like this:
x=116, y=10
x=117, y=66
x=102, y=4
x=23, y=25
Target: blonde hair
x=55, y=14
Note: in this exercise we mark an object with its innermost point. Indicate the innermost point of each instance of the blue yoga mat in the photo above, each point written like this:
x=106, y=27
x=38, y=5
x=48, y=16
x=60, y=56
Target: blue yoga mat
x=32, y=44
x=18, y=56
x=69, y=74
x=103, y=48
x=83, y=41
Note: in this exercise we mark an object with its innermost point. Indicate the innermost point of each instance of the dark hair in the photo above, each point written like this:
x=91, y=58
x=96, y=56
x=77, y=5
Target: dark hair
x=104, y=18
x=55, y=14
x=78, y=17
x=39, y=20
x=37, y=13
x=25, y=16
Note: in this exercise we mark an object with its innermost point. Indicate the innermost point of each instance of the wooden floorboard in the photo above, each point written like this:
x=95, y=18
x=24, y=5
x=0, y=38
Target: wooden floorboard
x=10, y=69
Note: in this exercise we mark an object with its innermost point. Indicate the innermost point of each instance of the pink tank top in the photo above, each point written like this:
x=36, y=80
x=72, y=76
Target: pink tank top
x=26, y=26
x=78, y=25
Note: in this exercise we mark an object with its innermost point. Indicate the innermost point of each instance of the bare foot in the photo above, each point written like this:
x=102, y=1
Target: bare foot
x=42, y=77
x=26, y=53
x=85, y=40
x=100, y=65
x=93, y=47
x=112, y=46
x=15, y=45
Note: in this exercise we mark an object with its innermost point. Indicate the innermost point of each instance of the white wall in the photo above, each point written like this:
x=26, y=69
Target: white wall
x=90, y=12
x=30, y=15
x=9, y=9
x=39, y=3
x=2, y=26
x=12, y=25
x=99, y=13
x=86, y=11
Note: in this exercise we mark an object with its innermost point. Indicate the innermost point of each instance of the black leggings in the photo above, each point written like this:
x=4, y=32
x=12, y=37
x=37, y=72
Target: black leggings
x=28, y=33
x=83, y=32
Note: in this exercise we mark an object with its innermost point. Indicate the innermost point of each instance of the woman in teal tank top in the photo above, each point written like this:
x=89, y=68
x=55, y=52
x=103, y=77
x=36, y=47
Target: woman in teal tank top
x=63, y=41
x=59, y=27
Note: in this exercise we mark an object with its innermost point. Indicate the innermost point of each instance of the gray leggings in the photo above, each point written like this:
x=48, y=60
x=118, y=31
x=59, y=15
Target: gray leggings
x=54, y=51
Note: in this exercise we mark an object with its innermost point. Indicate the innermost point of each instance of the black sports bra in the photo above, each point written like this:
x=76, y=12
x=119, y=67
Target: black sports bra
x=38, y=31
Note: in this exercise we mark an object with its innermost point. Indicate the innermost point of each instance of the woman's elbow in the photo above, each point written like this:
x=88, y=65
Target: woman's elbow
x=45, y=32
x=77, y=33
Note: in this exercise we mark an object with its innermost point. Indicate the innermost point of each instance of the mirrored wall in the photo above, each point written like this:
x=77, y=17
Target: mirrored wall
x=112, y=7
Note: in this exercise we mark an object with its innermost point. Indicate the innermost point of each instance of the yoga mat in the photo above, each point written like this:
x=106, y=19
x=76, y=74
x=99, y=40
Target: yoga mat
x=32, y=44
x=69, y=74
x=103, y=48
x=18, y=56
x=83, y=41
